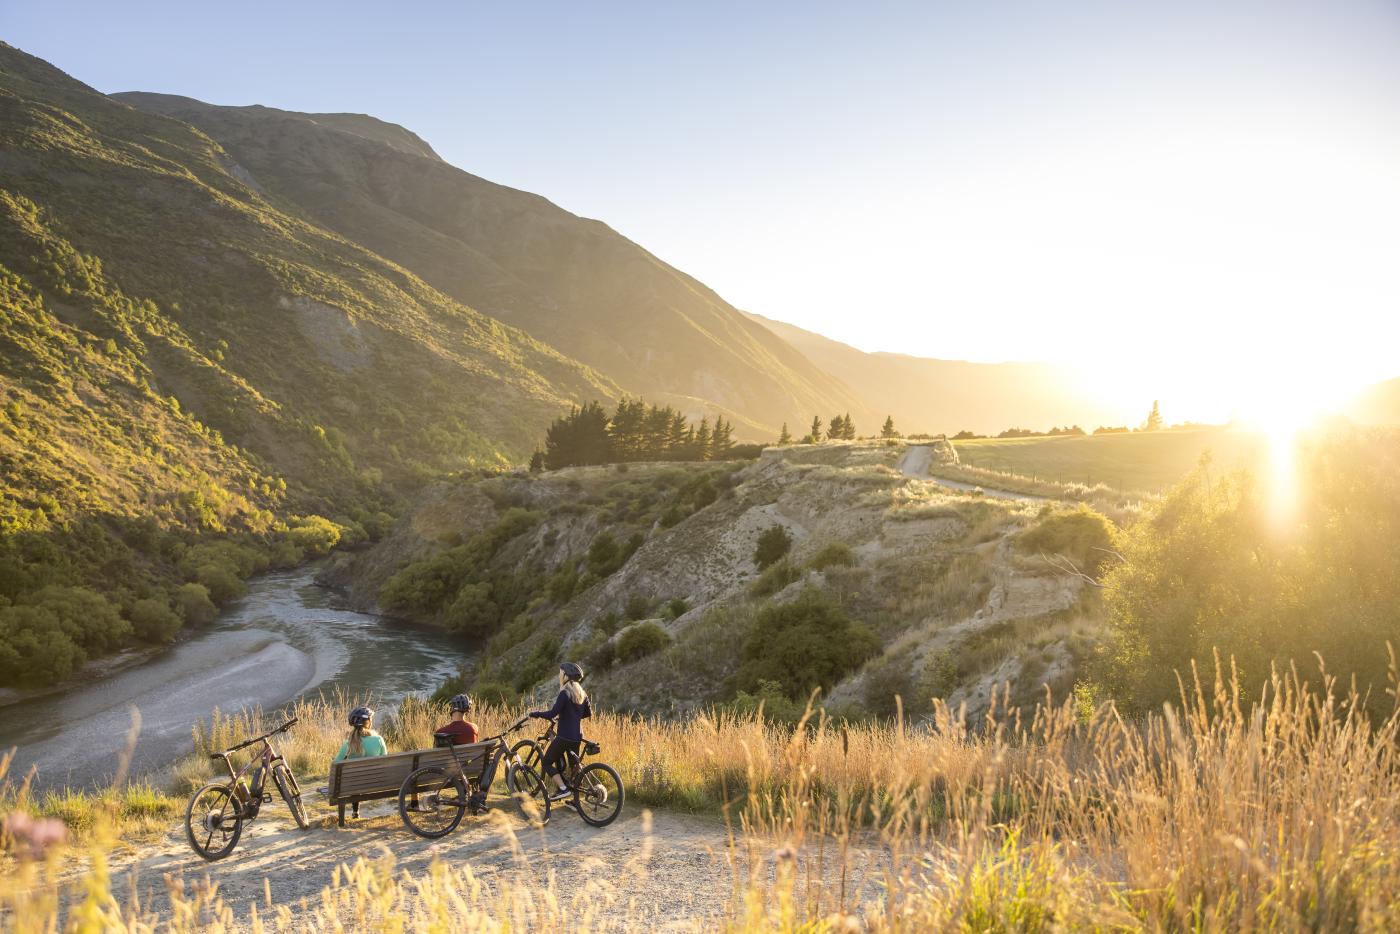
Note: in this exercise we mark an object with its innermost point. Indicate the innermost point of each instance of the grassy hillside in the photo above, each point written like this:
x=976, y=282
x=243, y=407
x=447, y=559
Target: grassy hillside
x=652, y=576
x=180, y=360
x=1144, y=462
x=927, y=395
x=570, y=281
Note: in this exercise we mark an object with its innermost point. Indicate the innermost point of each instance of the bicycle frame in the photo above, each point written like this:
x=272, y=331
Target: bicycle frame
x=261, y=764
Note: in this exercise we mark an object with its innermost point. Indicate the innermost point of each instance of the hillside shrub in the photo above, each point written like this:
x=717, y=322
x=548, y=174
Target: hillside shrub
x=774, y=579
x=677, y=607
x=314, y=535
x=1084, y=536
x=638, y=607
x=472, y=612
x=832, y=554
x=220, y=582
x=802, y=645
x=886, y=679
x=641, y=640
x=601, y=656
x=154, y=620
x=193, y=603
x=773, y=544
x=767, y=695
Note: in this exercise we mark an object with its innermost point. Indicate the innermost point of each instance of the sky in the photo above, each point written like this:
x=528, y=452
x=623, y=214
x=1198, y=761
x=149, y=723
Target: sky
x=1198, y=199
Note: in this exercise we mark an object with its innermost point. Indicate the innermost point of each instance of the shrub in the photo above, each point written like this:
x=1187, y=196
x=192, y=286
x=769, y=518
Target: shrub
x=473, y=612
x=774, y=579
x=638, y=607
x=834, y=554
x=676, y=607
x=154, y=620
x=937, y=677
x=602, y=656
x=562, y=584
x=192, y=601
x=805, y=644
x=773, y=544
x=1084, y=536
x=776, y=706
x=641, y=640
x=883, y=681
x=222, y=585
x=603, y=555
x=314, y=535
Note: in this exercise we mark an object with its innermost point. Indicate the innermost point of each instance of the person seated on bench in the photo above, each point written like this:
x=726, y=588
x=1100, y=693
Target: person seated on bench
x=571, y=707
x=460, y=730
x=363, y=741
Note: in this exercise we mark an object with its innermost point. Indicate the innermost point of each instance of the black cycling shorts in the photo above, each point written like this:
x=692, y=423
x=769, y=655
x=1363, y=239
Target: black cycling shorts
x=554, y=755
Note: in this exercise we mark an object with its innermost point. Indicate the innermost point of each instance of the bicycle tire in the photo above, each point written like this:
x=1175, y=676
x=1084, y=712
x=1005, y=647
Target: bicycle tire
x=287, y=787
x=210, y=804
x=596, y=802
x=528, y=753
x=530, y=794
x=432, y=802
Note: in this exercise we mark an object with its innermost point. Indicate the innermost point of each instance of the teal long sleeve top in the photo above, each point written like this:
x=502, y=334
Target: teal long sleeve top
x=373, y=746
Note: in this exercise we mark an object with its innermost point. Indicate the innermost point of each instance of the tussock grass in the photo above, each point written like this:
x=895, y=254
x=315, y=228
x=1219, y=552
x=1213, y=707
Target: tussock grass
x=1280, y=812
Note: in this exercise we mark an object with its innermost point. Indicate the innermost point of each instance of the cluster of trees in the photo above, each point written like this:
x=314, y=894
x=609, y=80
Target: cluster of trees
x=840, y=428
x=634, y=432
x=1230, y=564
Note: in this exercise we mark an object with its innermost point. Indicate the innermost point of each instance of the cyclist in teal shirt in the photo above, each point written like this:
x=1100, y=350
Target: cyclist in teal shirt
x=363, y=742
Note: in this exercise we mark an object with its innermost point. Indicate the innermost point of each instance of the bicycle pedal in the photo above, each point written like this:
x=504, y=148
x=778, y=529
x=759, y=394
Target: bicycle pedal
x=267, y=797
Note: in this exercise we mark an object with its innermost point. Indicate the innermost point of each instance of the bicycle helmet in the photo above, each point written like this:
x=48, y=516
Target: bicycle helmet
x=460, y=704
x=361, y=716
x=573, y=671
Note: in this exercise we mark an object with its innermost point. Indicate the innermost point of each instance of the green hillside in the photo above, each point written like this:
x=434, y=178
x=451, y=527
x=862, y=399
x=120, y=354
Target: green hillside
x=572, y=282
x=181, y=361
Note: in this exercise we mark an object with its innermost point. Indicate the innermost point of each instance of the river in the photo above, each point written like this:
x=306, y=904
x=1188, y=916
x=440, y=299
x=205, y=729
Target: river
x=282, y=641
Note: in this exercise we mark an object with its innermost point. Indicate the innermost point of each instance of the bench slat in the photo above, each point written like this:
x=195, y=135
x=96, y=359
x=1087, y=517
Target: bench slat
x=383, y=776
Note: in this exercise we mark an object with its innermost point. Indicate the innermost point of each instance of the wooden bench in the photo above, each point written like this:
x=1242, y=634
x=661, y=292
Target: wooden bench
x=377, y=777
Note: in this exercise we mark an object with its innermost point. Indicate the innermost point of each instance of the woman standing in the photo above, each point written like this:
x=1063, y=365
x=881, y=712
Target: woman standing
x=571, y=708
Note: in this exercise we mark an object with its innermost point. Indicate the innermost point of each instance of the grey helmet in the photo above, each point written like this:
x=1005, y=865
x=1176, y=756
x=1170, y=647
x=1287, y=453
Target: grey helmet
x=572, y=671
x=361, y=716
x=460, y=704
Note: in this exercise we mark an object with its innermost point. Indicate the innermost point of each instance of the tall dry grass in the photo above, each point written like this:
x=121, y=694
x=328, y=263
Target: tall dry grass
x=1279, y=812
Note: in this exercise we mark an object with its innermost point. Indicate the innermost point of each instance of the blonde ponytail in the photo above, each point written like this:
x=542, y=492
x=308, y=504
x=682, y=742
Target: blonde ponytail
x=575, y=691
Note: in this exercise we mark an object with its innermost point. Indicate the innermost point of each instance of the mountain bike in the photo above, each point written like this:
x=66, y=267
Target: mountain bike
x=215, y=816
x=433, y=799
x=596, y=788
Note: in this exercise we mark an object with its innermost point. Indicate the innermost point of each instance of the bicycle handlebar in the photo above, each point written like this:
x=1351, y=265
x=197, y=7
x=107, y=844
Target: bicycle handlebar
x=257, y=739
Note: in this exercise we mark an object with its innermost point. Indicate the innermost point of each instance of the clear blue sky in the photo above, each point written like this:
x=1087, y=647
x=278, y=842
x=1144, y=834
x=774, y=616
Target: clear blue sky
x=984, y=180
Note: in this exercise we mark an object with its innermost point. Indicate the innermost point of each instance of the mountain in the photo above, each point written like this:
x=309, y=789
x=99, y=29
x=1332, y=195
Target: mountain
x=929, y=395
x=183, y=361
x=574, y=283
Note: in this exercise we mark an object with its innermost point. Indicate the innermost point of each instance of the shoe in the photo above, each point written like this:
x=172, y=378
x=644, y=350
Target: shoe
x=561, y=795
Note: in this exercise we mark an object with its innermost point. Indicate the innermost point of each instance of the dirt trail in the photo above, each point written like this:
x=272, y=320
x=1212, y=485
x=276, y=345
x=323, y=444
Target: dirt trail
x=666, y=871
x=918, y=460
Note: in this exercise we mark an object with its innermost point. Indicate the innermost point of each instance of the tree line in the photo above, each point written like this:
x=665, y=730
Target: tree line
x=633, y=432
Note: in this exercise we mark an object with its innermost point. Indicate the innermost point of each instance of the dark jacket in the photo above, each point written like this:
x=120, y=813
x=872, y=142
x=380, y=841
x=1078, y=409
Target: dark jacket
x=569, y=714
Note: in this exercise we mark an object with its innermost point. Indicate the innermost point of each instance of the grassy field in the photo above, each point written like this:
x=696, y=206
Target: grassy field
x=1144, y=462
x=1229, y=815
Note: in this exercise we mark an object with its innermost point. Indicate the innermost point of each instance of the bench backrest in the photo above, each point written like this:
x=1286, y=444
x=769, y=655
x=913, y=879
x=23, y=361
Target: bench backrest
x=380, y=776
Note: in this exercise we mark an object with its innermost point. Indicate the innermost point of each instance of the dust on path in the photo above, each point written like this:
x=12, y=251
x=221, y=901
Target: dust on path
x=662, y=870
x=918, y=460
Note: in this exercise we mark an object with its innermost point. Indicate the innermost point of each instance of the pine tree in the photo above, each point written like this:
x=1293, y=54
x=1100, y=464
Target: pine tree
x=678, y=437
x=1154, y=418
x=702, y=440
x=815, y=436
x=581, y=437
x=835, y=429
x=848, y=428
x=888, y=431
x=723, y=441
x=786, y=436
x=537, y=461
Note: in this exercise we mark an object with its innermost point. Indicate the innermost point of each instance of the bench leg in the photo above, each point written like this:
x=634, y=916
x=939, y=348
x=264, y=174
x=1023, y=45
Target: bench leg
x=355, y=810
x=342, y=815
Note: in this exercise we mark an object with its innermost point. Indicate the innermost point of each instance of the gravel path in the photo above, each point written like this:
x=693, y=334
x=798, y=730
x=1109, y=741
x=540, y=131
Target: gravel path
x=918, y=459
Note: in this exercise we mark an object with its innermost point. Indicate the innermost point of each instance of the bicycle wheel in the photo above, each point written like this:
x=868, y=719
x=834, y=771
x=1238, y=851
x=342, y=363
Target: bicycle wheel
x=527, y=752
x=432, y=802
x=529, y=794
x=212, y=822
x=598, y=794
x=287, y=787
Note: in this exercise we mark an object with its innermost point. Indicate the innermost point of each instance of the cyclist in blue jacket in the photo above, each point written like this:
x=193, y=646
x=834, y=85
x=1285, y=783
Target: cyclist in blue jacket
x=570, y=708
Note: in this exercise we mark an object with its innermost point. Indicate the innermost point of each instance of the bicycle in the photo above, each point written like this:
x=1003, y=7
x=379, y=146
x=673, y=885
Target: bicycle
x=217, y=812
x=433, y=799
x=597, y=789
